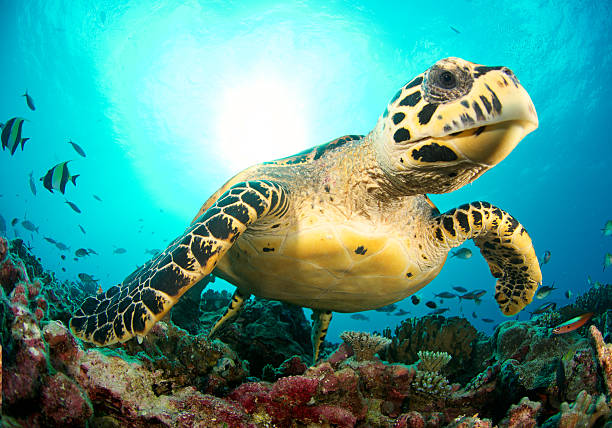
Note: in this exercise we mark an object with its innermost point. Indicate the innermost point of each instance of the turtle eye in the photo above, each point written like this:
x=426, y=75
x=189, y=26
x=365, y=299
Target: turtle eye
x=447, y=80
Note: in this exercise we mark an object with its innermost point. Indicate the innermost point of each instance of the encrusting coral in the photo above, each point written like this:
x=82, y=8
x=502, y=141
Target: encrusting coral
x=365, y=345
x=432, y=361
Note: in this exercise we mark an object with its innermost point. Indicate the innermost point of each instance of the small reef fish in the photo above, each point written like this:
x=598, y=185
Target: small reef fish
x=593, y=284
x=454, y=29
x=152, y=251
x=445, y=295
x=463, y=253
x=439, y=311
x=97, y=198
x=545, y=307
x=77, y=148
x=119, y=251
x=400, y=313
x=568, y=294
x=415, y=299
x=607, y=229
x=29, y=100
x=49, y=240
x=63, y=256
x=11, y=135
x=474, y=315
x=82, y=230
x=360, y=317
x=388, y=308
x=92, y=252
x=2, y=225
x=545, y=258
x=607, y=261
x=489, y=320
x=573, y=324
x=81, y=252
x=57, y=178
x=32, y=185
x=431, y=305
x=27, y=224
x=474, y=295
x=73, y=206
x=61, y=246
x=544, y=291
x=460, y=289
x=14, y=221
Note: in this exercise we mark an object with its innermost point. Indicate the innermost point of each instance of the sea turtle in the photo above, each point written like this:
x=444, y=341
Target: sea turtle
x=346, y=226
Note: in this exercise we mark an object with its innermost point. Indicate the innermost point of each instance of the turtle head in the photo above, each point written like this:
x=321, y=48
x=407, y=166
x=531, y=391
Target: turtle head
x=450, y=124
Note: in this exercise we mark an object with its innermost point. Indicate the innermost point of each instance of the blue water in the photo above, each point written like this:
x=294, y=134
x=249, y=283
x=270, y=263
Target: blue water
x=169, y=99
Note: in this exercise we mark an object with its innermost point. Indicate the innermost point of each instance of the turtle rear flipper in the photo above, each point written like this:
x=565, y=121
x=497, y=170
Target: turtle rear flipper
x=133, y=307
x=503, y=242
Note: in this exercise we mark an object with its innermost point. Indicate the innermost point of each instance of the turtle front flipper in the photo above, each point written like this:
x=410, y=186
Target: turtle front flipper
x=133, y=307
x=235, y=305
x=503, y=242
x=320, y=324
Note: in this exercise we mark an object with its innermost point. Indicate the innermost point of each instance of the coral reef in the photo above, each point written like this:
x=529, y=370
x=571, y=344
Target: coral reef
x=364, y=345
x=597, y=299
x=455, y=336
x=521, y=376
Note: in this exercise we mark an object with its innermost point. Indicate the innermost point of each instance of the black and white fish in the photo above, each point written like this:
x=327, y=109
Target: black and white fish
x=77, y=148
x=73, y=206
x=415, y=299
x=29, y=100
x=50, y=240
x=57, y=177
x=431, y=305
x=82, y=230
x=489, y=320
x=32, y=185
x=11, y=135
x=454, y=29
x=97, y=198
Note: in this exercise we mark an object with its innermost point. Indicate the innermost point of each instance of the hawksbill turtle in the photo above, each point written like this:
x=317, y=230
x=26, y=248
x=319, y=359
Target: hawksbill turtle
x=347, y=226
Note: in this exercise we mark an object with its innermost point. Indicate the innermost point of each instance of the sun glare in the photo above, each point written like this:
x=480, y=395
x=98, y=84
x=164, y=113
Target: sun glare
x=260, y=119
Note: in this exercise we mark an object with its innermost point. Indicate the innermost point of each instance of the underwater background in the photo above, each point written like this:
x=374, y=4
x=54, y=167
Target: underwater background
x=169, y=99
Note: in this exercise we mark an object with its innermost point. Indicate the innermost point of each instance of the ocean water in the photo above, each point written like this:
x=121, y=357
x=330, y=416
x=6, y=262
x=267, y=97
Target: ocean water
x=169, y=99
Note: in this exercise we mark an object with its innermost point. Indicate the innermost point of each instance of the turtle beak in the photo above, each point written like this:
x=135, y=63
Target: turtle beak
x=489, y=144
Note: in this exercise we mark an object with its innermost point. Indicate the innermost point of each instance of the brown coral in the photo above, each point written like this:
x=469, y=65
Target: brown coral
x=584, y=413
x=604, y=354
x=364, y=345
x=455, y=335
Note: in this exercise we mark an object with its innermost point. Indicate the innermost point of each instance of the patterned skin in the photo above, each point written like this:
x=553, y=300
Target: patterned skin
x=346, y=226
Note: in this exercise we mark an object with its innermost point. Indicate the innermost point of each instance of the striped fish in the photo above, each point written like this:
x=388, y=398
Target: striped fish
x=11, y=134
x=57, y=177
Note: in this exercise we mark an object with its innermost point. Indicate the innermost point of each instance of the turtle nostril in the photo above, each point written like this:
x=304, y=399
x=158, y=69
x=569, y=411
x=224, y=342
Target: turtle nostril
x=507, y=71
